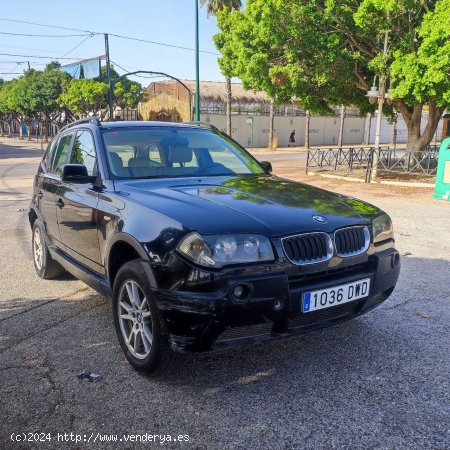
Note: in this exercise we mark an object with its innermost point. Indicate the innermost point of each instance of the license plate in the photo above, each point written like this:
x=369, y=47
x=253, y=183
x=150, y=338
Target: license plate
x=337, y=295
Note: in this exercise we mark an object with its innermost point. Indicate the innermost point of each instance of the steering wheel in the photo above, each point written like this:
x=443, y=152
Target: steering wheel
x=214, y=169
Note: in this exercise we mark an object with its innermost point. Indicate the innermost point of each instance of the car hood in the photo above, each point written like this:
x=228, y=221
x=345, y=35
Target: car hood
x=246, y=204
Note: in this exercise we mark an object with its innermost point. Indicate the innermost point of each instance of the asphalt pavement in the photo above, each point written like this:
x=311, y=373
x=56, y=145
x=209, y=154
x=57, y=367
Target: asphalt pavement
x=379, y=382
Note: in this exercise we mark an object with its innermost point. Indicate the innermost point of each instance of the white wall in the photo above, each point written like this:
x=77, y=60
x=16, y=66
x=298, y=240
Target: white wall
x=402, y=130
x=323, y=130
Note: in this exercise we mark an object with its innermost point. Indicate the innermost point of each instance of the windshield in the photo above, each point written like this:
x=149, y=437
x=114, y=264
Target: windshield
x=155, y=152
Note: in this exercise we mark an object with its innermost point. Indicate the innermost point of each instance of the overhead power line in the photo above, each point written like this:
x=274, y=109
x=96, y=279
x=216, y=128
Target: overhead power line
x=111, y=34
x=119, y=66
x=78, y=45
x=35, y=49
x=44, y=25
x=162, y=44
x=43, y=35
x=35, y=56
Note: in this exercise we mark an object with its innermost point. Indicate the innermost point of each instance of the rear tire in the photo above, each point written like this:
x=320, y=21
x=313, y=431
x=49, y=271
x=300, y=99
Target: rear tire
x=46, y=267
x=140, y=329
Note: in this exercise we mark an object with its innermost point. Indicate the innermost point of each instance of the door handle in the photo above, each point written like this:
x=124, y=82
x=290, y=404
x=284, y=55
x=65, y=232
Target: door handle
x=40, y=194
x=60, y=203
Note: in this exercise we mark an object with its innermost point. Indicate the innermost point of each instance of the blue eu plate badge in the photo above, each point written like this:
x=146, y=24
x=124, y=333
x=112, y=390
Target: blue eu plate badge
x=306, y=302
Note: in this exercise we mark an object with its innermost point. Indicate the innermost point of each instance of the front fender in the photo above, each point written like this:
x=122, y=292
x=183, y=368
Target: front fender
x=137, y=247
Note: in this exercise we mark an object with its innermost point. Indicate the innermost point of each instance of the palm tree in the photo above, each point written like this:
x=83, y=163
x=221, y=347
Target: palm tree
x=212, y=6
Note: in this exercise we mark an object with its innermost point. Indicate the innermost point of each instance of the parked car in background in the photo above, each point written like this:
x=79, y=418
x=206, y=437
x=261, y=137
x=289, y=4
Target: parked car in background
x=197, y=244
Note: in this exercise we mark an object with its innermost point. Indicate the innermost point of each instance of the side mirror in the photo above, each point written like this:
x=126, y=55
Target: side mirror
x=76, y=173
x=267, y=165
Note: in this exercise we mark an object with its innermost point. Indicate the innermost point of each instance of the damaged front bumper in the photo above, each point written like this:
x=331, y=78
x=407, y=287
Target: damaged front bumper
x=217, y=319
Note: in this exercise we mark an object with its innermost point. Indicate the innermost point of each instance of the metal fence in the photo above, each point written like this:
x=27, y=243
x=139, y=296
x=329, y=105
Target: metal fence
x=390, y=160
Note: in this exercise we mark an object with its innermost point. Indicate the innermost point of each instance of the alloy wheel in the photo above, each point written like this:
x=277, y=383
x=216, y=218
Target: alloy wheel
x=38, y=250
x=135, y=319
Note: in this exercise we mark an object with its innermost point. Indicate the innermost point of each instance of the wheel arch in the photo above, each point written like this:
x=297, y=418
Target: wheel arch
x=33, y=215
x=123, y=248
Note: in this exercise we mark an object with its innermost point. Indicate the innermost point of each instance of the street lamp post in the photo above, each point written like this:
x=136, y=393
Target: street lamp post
x=373, y=95
x=197, y=70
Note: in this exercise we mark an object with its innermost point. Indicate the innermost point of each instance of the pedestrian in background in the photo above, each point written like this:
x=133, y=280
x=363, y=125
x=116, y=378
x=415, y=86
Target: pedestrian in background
x=292, y=138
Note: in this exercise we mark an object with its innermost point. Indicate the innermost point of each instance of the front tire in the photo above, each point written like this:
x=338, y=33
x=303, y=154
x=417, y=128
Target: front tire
x=46, y=267
x=139, y=326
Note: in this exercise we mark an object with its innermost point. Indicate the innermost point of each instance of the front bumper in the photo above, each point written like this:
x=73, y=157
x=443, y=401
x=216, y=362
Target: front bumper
x=212, y=320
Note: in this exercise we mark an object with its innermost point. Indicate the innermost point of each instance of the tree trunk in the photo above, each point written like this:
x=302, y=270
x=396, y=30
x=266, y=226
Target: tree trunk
x=341, y=127
x=46, y=125
x=28, y=124
x=416, y=142
x=308, y=117
x=271, y=121
x=394, y=134
x=229, y=101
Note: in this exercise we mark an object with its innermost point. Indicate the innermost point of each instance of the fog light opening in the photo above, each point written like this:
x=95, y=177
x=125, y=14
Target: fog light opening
x=241, y=292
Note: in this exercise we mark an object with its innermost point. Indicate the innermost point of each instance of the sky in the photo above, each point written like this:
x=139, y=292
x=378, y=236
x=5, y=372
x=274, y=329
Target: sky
x=169, y=22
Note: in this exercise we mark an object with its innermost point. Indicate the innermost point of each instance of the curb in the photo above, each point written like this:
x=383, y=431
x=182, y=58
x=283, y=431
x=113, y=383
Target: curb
x=388, y=183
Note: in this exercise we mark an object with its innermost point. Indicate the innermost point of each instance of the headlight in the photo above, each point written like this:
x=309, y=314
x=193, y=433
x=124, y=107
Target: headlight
x=219, y=251
x=382, y=228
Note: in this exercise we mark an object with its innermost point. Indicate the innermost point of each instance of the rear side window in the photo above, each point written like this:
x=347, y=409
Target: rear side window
x=62, y=151
x=49, y=155
x=83, y=151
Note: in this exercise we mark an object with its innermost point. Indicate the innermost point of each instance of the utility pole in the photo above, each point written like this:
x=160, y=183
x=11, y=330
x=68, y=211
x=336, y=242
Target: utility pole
x=376, y=153
x=197, y=70
x=29, y=67
x=108, y=78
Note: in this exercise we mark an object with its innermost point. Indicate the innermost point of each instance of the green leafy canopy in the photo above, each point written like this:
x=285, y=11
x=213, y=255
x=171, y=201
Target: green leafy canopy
x=327, y=53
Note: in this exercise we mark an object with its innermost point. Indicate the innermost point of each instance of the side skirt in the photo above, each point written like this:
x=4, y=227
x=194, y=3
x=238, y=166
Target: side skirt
x=92, y=279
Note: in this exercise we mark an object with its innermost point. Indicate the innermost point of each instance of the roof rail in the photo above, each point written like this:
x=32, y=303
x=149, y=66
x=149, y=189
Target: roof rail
x=93, y=119
x=202, y=124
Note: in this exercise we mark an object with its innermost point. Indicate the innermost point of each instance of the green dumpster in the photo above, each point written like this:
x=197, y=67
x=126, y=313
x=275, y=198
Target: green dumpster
x=442, y=187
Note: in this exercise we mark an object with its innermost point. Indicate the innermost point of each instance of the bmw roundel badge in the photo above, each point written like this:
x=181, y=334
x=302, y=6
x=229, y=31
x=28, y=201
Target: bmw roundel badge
x=320, y=219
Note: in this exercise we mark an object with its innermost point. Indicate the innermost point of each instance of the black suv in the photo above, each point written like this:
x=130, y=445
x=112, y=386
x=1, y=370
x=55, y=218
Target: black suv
x=199, y=246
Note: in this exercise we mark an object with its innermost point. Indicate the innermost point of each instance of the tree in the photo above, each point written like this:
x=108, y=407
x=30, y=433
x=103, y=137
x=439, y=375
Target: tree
x=85, y=97
x=249, y=53
x=226, y=66
x=421, y=77
x=326, y=53
x=5, y=106
x=51, y=96
x=23, y=99
x=51, y=83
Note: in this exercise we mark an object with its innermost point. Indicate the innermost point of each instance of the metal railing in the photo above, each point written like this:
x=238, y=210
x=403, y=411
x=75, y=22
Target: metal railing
x=409, y=163
x=336, y=159
x=390, y=160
